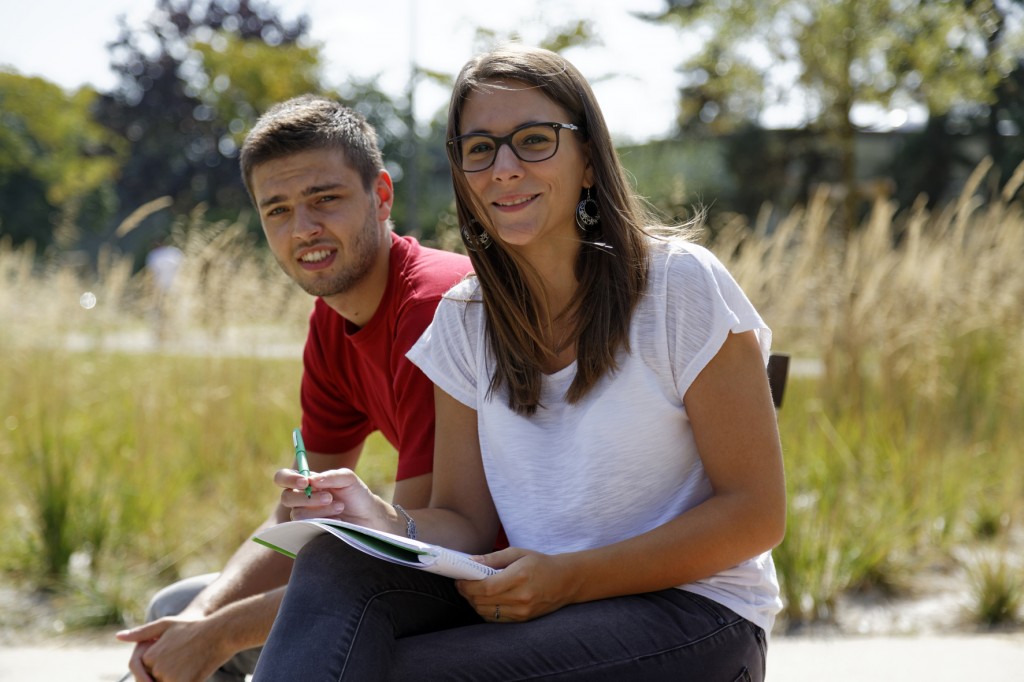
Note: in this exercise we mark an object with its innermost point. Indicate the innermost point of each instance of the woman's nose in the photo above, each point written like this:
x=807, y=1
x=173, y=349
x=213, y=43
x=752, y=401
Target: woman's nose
x=506, y=164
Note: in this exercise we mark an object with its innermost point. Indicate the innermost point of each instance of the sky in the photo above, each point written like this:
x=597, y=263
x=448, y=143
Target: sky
x=633, y=68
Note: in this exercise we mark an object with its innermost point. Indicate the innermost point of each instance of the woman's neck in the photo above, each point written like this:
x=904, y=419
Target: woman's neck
x=554, y=265
x=555, y=289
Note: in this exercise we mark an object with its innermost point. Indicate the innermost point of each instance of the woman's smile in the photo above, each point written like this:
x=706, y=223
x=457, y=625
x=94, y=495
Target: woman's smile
x=514, y=204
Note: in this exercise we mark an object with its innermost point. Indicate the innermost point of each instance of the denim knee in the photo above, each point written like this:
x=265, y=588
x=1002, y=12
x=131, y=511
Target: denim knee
x=172, y=600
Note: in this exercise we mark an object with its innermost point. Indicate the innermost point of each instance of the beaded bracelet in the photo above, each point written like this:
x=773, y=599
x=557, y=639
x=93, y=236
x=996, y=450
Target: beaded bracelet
x=410, y=525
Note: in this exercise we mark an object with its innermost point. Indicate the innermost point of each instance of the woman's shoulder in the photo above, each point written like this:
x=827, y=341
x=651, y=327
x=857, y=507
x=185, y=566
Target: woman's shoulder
x=675, y=257
x=466, y=290
x=666, y=246
x=456, y=308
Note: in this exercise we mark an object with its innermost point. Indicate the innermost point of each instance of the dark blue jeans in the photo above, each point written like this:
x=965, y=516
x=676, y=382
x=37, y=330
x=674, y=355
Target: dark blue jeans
x=348, y=616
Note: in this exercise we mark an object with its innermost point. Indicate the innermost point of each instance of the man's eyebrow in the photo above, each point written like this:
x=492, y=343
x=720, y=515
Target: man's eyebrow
x=276, y=199
x=317, y=189
x=308, y=192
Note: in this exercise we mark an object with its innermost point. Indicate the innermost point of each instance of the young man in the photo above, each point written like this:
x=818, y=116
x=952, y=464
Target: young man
x=315, y=174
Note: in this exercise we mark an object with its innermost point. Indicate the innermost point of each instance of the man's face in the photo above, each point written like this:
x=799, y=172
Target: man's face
x=323, y=226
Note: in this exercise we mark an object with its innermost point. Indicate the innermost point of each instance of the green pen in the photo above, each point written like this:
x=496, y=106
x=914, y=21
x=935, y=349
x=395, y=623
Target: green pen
x=301, y=465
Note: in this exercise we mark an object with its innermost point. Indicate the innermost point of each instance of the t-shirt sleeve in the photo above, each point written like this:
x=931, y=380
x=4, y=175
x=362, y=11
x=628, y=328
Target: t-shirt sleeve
x=447, y=350
x=705, y=305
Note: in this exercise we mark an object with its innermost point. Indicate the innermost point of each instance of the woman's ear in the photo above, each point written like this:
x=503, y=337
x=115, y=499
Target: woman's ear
x=588, y=175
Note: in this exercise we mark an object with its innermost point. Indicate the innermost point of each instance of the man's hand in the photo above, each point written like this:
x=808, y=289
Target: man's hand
x=173, y=649
x=337, y=493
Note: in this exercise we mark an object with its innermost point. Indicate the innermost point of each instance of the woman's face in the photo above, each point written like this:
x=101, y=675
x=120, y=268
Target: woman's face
x=530, y=205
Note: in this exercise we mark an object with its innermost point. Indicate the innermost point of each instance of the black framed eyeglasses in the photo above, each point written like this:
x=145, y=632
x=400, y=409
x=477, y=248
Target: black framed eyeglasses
x=532, y=142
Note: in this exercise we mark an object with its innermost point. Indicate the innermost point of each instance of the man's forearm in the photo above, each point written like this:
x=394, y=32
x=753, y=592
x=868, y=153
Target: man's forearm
x=246, y=623
x=251, y=570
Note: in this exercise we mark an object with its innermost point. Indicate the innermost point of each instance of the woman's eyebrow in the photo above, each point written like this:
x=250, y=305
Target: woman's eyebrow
x=485, y=131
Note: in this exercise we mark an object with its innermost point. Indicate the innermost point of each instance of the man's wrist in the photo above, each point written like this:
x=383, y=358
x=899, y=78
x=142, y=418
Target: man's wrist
x=246, y=623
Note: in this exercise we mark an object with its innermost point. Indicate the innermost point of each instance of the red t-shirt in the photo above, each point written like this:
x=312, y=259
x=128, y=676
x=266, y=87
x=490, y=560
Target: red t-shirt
x=357, y=380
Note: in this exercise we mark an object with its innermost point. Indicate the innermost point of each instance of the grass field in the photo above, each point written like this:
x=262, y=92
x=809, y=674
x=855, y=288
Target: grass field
x=131, y=462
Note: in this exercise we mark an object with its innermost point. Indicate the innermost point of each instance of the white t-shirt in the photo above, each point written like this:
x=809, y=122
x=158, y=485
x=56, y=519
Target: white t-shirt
x=623, y=460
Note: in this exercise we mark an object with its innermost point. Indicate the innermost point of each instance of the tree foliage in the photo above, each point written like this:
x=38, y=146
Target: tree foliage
x=239, y=79
x=191, y=82
x=825, y=57
x=186, y=105
x=56, y=162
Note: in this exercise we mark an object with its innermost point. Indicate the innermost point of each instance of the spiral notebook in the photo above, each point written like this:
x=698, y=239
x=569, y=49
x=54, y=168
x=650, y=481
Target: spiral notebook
x=289, y=537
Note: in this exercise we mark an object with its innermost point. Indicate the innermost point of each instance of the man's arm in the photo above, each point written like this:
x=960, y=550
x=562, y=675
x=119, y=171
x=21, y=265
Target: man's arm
x=235, y=612
x=253, y=569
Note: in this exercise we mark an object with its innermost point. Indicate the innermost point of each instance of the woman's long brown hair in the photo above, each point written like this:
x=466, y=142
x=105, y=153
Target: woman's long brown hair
x=611, y=267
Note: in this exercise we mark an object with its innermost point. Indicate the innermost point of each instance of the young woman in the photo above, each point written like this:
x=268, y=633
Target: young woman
x=601, y=395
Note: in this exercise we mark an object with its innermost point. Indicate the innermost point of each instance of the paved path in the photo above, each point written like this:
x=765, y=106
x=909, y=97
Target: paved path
x=955, y=658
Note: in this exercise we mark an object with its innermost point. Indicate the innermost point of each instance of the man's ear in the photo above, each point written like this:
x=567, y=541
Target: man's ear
x=384, y=190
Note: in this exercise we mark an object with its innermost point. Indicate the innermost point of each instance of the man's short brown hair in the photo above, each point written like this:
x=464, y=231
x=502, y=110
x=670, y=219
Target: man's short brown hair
x=311, y=122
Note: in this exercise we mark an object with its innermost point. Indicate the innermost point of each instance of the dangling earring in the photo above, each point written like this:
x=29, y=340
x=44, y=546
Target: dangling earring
x=475, y=242
x=588, y=213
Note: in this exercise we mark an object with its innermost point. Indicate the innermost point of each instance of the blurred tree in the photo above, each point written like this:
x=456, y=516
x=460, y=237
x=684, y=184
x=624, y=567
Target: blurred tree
x=1003, y=115
x=238, y=79
x=192, y=80
x=824, y=57
x=57, y=166
x=931, y=158
x=1006, y=121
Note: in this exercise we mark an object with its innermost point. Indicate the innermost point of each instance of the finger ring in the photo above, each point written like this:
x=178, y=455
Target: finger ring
x=497, y=612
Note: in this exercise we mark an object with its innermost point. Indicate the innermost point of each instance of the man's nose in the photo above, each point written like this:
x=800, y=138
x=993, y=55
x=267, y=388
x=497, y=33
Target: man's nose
x=307, y=224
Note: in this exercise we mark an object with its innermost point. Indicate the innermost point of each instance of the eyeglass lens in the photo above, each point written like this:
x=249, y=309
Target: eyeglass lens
x=536, y=142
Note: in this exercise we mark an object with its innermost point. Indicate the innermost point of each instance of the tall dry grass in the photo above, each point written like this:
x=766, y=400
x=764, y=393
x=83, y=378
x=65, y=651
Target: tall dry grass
x=131, y=462
x=134, y=457
x=911, y=440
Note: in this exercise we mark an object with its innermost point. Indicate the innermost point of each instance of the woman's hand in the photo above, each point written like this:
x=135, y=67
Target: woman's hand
x=531, y=585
